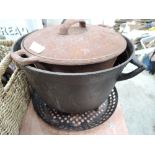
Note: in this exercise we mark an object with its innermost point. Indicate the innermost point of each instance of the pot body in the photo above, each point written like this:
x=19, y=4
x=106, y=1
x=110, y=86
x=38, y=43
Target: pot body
x=76, y=92
x=73, y=94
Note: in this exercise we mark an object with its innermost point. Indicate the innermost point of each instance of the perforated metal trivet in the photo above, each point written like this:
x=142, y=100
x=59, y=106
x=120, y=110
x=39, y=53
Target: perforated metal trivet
x=76, y=122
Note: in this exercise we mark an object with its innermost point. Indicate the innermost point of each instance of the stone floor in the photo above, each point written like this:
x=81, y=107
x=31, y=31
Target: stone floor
x=137, y=97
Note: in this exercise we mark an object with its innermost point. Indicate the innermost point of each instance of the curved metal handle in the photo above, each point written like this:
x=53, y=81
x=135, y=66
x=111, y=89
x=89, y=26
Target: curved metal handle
x=125, y=76
x=68, y=23
x=17, y=57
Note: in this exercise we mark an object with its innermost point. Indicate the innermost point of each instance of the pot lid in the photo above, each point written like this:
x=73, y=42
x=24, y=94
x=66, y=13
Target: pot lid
x=74, y=43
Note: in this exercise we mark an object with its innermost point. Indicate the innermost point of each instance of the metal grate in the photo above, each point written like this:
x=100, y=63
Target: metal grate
x=77, y=122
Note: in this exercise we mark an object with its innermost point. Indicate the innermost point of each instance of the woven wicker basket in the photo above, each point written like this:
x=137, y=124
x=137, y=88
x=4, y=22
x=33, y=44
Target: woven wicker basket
x=14, y=97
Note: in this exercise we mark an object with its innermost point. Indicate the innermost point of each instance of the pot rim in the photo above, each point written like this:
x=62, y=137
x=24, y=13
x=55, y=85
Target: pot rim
x=75, y=74
x=87, y=73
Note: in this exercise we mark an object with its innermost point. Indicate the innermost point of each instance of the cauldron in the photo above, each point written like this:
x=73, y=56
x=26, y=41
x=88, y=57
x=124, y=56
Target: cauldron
x=79, y=92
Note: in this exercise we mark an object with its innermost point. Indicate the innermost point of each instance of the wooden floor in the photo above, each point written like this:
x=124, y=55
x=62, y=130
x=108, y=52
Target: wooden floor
x=33, y=125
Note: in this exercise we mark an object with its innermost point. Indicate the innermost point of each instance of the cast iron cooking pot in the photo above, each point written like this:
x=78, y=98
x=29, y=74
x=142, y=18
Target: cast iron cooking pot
x=73, y=46
x=79, y=92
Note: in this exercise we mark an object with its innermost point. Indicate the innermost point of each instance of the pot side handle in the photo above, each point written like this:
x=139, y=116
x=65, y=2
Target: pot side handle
x=22, y=58
x=126, y=76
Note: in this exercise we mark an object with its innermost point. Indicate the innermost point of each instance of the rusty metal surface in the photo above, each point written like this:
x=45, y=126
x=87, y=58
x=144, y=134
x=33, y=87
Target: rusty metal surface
x=77, y=46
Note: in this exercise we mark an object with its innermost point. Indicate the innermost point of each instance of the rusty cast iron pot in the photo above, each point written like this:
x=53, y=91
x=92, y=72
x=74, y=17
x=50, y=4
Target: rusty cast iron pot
x=79, y=92
x=73, y=46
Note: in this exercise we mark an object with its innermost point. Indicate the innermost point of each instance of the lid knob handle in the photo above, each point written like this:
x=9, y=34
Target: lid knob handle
x=68, y=23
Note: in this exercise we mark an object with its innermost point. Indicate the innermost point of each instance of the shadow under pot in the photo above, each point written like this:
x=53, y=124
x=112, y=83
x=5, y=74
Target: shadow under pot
x=72, y=47
x=79, y=92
